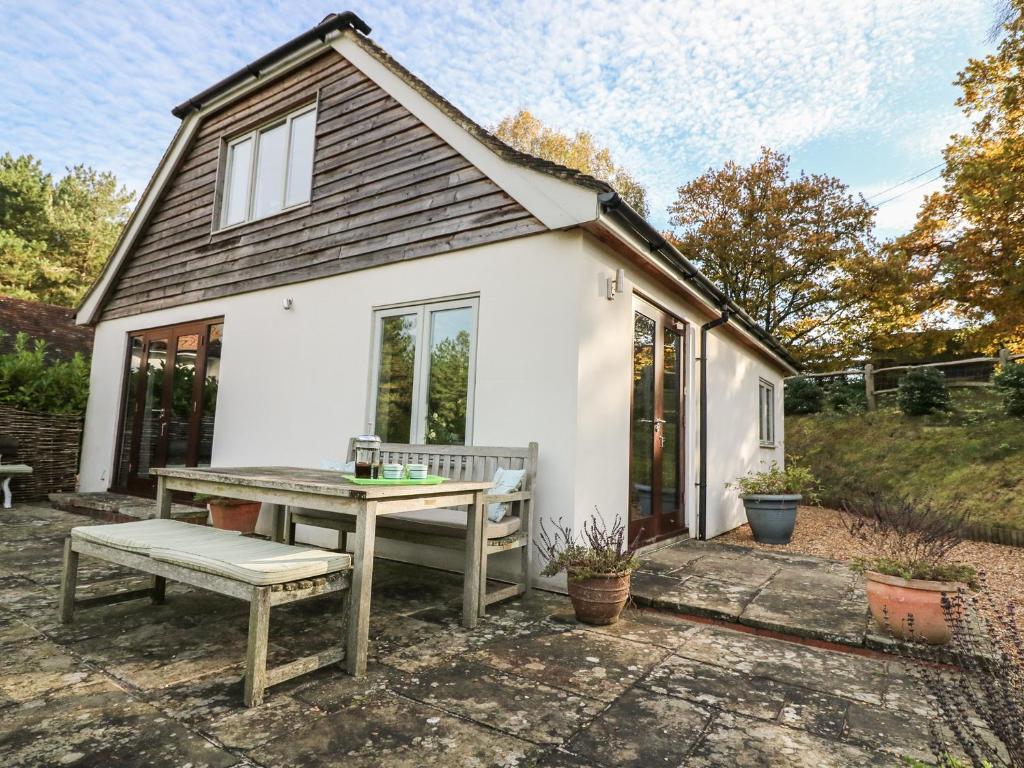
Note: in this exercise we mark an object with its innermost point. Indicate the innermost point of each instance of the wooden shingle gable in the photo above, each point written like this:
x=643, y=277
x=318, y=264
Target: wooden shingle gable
x=386, y=188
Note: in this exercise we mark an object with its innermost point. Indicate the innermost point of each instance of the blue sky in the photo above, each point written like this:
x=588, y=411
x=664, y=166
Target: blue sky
x=857, y=89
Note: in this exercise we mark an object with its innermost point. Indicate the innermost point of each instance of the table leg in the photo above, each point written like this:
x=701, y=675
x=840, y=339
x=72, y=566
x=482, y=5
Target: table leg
x=471, y=596
x=163, y=511
x=277, y=534
x=362, y=581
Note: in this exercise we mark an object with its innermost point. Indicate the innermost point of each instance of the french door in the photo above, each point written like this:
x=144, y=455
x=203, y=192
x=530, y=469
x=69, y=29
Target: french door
x=170, y=401
x=656, y=457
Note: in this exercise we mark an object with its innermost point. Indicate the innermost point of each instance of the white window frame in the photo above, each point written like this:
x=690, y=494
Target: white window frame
x=421, y=362
x=766, y=413
x=254, y=135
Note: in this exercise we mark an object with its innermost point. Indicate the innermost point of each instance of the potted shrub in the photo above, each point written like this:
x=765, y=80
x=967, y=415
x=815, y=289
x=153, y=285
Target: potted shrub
x=910, y=569
x=231, y=514
x=771, y=497
x=598, y=566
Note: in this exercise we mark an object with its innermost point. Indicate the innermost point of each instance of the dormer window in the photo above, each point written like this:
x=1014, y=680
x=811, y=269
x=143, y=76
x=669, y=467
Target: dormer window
x=270, y=169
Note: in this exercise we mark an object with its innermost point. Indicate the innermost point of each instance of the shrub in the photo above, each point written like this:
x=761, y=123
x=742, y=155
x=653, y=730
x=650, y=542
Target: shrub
x=922, y=391
x=599, y=551
x=30, y=382
x=1010, y=381
x=802, y=395
x=910, y=538
x=846, y=397
x=774, y=481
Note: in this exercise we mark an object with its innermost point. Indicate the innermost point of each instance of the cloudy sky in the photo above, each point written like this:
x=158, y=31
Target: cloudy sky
x=859, y=89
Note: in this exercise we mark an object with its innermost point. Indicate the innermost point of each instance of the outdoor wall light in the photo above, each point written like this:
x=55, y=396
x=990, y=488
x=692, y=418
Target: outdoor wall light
x=615, y=284
x=287, y=304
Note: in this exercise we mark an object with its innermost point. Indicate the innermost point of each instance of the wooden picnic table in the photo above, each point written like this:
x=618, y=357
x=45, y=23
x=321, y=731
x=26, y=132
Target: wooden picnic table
x=329, y=491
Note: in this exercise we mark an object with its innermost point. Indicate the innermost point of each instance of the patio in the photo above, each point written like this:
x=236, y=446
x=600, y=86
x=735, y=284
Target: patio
x=138, y=684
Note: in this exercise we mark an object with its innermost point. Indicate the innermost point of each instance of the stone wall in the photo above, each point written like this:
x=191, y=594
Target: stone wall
x=46, y=442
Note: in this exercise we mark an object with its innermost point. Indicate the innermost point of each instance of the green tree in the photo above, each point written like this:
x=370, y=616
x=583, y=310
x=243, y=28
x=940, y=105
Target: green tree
x=797, y=253
x=971, y=233
x=56, y=234
x=449, y=383
x=526, y=133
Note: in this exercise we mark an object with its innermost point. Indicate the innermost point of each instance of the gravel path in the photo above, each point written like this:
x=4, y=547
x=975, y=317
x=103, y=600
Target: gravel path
x=820, y=532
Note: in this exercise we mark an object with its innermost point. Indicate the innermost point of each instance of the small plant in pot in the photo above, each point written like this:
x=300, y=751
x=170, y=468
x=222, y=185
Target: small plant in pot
x=771, y=497
x=598, y=565
x=231, y=514
x=910, y=568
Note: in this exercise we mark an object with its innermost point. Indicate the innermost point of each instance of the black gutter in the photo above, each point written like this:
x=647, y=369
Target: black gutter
x=332, y=23
x=702, y=483
x=612, y=203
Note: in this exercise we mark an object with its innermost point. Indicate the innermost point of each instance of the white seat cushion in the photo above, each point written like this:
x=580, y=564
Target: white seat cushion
x=255, y=561
x=456, y=520
x=141, y=536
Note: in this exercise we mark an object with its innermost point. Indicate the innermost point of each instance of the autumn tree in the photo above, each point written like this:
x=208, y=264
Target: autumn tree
x=580, y=151
x=56, y=234
x=797, y=253
x=971, y=233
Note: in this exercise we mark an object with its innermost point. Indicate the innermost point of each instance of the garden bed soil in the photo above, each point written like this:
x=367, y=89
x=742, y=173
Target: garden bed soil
x=820, y=532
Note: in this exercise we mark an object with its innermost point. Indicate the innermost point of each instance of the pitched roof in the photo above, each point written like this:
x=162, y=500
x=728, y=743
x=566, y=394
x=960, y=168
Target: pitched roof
x=54, y=325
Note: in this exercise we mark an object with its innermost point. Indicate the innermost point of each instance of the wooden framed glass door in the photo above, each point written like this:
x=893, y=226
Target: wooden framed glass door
x=656, y=456
x=170, y=401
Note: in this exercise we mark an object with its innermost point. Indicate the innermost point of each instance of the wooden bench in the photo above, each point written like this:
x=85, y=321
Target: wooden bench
x=7, y=473
x=447, y=528
x=9, y=447
x=263, y=573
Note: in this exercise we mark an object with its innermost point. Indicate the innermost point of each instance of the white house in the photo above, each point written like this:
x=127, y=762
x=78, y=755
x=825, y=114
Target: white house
x=328, y=246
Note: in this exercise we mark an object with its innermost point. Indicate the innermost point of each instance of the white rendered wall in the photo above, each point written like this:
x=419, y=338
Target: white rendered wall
x=603, y=405
x=293, y=386
x=554, y=365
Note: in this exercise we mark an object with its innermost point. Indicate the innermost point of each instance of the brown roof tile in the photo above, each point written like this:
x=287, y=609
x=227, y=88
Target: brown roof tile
x=55, y=325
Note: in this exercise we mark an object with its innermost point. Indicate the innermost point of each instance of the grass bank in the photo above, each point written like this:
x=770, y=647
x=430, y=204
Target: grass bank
x=974, y=454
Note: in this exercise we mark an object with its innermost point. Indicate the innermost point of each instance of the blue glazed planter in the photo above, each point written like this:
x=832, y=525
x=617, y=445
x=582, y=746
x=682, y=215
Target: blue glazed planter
x=771, y=517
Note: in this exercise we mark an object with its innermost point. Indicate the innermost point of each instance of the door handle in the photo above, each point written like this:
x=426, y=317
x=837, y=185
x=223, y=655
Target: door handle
x=163, y=420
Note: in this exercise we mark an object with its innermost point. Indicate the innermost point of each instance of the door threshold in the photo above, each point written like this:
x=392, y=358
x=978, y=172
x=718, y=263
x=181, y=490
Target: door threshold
x=654, y=546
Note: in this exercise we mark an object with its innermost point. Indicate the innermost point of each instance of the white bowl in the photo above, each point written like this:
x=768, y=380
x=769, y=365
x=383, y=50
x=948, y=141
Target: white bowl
x=393, y=471
x=417, y=471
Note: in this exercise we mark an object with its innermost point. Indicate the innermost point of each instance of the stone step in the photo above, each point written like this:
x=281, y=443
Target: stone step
x=121, y=508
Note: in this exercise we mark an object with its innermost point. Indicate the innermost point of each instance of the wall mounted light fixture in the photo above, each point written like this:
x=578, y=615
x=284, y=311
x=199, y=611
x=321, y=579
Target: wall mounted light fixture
x=287, y=304
x=615, y=284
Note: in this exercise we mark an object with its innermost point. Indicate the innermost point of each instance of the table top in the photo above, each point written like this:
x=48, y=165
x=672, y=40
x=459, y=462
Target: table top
x=15, y=469
x=326, y=482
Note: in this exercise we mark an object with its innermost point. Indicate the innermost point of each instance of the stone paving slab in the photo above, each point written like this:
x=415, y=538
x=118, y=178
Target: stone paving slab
x=790, y=594
x=138, y=684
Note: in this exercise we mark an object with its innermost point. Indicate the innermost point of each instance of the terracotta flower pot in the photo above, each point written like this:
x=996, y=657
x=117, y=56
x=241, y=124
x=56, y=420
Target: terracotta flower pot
x=235, y=517
x=599, y=599
x=893, y=600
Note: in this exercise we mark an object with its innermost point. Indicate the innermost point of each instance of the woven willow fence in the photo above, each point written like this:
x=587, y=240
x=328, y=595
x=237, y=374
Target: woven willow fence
x=46, y=442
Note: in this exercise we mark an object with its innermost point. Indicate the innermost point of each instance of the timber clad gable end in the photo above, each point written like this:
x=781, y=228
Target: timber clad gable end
x=385, y=189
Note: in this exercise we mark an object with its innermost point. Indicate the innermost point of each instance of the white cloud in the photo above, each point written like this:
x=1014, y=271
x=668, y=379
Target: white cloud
x=673, y=87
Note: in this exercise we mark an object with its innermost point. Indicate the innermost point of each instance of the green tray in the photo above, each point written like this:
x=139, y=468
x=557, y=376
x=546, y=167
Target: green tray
x=428, y=480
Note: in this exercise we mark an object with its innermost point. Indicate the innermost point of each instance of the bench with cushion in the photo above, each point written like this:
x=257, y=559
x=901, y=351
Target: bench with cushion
x=263, y=573
x=447, y=527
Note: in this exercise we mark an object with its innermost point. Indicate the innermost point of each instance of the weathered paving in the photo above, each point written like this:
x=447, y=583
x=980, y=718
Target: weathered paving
x=136, y=684
x=795, y=595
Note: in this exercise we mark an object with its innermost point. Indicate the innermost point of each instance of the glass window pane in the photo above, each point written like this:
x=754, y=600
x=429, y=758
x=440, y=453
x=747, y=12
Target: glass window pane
x=179, y=421
x=152, y=407
x=300, y=158
x=397, y=356
x=671, y=453
x=131, y=387
x=448, y=388
x=641, y=455
x=208, y=416
x=268, y=195
x=236, y=186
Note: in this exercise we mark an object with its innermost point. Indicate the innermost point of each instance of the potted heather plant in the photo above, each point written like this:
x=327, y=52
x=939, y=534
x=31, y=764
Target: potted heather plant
x=910, y=569
x=771, y=497
x=598, y=565
x=231, y=514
